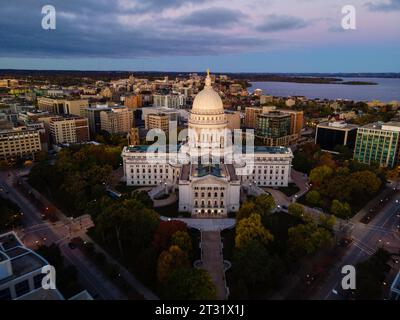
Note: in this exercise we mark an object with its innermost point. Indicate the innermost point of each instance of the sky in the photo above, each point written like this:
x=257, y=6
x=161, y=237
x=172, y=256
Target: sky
x=193, y=35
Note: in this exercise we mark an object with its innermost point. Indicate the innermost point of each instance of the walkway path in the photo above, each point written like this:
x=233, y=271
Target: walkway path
x=205, y=224
x=212, y=260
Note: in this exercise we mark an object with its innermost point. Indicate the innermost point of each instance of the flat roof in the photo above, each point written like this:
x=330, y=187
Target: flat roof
x=382, y=125
x=272, y=150
x=337, y=125
x=143, y=148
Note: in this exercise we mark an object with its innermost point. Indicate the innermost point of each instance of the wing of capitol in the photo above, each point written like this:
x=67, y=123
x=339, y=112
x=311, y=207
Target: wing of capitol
x=209, y=170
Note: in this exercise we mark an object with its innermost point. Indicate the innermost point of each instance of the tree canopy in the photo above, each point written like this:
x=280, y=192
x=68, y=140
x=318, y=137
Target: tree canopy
x=189, y=284
x=251, y=228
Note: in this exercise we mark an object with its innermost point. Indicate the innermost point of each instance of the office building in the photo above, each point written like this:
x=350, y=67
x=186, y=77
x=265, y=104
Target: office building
x=93, y=115
x=172, y=100
x=19, y=142
x=62, y=106
x=69, y=129
x=133, y=102
x=250, y=116
x=233, y=119
x=378, y=143
x=157, y=121
x=273, y=125
x=116, y=120
x=328, y=135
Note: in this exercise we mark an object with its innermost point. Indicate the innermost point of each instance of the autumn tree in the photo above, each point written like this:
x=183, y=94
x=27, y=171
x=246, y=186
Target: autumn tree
x=182, y=240
x=170, y=260
x=251, y=228
x=262, y=205
x=308, y=238
x=164, y=232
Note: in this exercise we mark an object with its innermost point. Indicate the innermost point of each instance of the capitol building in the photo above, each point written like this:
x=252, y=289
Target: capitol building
x=209, y=170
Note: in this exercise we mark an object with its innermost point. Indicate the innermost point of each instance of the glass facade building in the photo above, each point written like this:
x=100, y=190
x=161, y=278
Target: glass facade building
x=378, y=143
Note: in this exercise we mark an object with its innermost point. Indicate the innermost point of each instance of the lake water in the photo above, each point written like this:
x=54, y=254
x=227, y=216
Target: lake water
x=386, y=90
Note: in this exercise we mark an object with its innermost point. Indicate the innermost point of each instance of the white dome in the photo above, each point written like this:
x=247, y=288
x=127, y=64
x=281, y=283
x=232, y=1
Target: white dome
x=207, y=101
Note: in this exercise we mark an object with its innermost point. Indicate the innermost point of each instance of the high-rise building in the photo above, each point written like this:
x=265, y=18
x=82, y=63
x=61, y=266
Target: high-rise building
x=378, y=143
x=233, y=118
x=116, y=120
x=330, y=134
x=273, y=125
x=19, y=142
x=169, y=100
x=296, y=120
x=69, y=129
x=93, y=115
x=133, y=102
x=250, y=116
x=62, y=106
x=157, y=121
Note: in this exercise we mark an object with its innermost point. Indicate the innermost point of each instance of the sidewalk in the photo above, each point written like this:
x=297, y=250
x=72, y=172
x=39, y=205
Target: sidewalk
x=136, y=284
x=212, y=260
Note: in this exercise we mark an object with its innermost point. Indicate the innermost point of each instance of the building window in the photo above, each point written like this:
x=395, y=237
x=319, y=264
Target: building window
x=5, y=294
x=37, y=280
x=22, y=288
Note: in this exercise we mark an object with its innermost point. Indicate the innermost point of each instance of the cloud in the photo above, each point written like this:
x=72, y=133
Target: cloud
x=99, y=33
x=281, y=23
x=212, y=17
x=392, y=5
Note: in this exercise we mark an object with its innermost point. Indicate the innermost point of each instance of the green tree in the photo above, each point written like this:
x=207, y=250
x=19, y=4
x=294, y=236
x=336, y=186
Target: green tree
x=319, y=174
x=345, y=152
x=313, y=197
x=169, y=260
x=189, y=284
x=128, y=224
x=364, y=183
x=308, y=238
x=251, y=228
x=327, y=221
x=255, y=271
x=246, y=209
x=341, y=209
x=296, y=210
x=264, y=204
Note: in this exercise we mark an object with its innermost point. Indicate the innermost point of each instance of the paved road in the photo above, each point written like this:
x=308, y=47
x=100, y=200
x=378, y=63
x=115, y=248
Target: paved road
x=212, y=260
x=382, y=231
x=35, y=231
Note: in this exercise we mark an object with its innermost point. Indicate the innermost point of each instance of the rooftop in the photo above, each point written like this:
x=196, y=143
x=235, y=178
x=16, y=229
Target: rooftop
x=337, y=125
x=389, y=126
x=272, y=150
x=22, y=259
x=202, y=170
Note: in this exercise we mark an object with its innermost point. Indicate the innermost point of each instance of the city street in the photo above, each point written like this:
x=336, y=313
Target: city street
x=35, y=231
x=382, y=231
